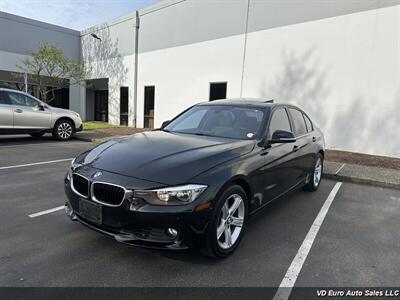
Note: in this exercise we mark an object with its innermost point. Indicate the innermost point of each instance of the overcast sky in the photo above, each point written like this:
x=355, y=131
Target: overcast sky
x=75, y=14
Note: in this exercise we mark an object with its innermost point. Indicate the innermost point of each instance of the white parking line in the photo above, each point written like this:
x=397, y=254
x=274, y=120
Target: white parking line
x=36, y=164
x=340, y=169
x=287, y=284
x=45, y=212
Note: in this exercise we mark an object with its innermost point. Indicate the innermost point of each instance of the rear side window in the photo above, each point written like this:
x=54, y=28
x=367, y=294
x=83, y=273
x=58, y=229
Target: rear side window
x=4, y=98
x=308, y=123
x=299, y=123
x=279, y=121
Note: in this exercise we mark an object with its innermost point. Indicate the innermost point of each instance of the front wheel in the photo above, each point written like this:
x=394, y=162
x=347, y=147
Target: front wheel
x=314, y=179
x=63, y=130
x=228, y=223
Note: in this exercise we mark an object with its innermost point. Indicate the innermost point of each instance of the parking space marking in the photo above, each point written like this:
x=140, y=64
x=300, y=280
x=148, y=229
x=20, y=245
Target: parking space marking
x=45, y=212
x=36, y=164
x=340, y=169
x=287, y=284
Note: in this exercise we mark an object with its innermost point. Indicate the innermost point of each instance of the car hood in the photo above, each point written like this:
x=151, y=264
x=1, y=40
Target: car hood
x=163, y=157
x=61, y=110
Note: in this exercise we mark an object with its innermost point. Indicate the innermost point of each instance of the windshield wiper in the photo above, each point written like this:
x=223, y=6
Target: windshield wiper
x=202, y=134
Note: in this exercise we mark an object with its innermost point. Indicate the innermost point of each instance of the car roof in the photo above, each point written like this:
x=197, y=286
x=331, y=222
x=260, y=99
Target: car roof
x=9, y=89
x=254, y=102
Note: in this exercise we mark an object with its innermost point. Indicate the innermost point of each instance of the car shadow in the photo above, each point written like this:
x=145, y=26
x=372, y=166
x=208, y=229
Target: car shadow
x=25, y=139
x=257, y=230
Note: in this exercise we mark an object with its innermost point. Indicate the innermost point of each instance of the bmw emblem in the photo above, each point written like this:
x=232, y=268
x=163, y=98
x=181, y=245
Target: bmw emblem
x=97, y=174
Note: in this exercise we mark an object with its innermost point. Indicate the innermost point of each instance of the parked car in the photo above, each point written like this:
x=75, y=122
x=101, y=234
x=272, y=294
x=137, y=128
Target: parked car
x=196, y=181
x=21, y=113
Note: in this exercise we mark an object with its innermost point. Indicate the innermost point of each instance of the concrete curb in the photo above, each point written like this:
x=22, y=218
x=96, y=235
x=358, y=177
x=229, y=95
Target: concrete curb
x=98, y=139
x=83, y=138
x=361, y=180
x=388, y=178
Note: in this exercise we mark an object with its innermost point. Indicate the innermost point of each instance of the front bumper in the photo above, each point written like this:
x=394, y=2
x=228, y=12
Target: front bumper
x=145, y=225
x=80, y=128
x=138, y=237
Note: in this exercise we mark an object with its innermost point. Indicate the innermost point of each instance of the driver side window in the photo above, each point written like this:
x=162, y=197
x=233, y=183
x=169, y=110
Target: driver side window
x=191, y=121
x=279, y=121
x=22, y=100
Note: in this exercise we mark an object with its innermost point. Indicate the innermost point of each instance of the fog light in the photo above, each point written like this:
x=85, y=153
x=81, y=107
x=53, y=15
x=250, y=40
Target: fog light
x=172, y=232
x=69, y=211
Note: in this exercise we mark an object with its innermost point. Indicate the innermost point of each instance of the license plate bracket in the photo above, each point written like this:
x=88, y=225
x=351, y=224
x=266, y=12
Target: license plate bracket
x=91, y=211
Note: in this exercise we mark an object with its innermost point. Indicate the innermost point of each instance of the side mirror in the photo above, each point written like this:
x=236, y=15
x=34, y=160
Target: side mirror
x=282, y=136
x=41, y=107
x=165, y=123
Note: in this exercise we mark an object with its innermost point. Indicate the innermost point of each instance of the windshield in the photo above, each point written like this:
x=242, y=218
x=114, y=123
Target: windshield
x=220, y=121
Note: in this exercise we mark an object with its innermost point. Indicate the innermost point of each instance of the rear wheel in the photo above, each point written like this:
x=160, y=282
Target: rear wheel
x=36, y=134
x=228, y=223
x=314, y=178
x=63, y=130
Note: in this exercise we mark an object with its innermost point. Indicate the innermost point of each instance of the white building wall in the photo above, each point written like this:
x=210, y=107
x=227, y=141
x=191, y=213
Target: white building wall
x=344, y=71
x=182, y=75
x=339, y=60
x=112, y=58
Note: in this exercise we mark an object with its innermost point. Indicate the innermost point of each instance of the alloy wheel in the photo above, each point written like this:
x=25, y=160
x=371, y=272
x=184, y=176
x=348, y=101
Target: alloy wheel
x=230, y=221
x=64, y=130
x=317, y=172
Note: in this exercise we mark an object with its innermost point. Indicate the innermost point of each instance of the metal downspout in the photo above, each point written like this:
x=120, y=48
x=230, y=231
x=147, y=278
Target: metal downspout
x=135, y=92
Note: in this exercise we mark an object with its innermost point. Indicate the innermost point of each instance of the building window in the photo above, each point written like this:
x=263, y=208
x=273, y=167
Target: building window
x=149, y=92
x=123, y=107
x=218, y=90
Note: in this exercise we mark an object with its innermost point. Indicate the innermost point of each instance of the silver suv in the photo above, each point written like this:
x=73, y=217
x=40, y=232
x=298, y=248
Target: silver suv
x=23, y=113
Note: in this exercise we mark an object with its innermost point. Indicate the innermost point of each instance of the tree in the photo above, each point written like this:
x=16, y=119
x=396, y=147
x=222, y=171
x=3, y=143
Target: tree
x=49, y=61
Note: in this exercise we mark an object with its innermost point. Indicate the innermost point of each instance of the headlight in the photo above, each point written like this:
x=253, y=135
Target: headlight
x=178, y=195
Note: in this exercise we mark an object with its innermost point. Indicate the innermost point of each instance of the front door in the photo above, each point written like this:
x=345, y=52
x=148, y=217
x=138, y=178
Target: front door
x=28, y=113
x=281, y=170
x=101, y=106
x=6, y=113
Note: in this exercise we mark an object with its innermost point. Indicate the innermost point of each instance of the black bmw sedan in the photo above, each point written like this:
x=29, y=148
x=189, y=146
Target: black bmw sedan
x=196, y=181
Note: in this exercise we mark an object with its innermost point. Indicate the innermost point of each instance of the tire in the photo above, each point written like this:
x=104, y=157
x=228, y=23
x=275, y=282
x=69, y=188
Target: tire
x=316, y=175
x=63, y=130
x=36, y=134
x=225, y=218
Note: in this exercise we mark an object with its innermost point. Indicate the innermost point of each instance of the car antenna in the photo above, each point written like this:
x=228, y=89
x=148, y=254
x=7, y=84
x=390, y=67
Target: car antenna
x=269, y=101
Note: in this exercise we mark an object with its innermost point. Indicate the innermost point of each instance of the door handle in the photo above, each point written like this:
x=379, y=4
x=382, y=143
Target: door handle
x=296, y=148
x=264, y=151
x=18, y=110
x=314, y=139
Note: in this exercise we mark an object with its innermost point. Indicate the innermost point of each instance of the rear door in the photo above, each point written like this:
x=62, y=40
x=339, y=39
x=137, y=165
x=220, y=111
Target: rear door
x=28, y=113
x=304, y=154
x=6, y=112
x=281, y=167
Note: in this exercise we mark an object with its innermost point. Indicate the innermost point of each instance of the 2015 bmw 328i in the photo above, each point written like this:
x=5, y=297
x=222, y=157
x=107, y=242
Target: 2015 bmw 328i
x=196, y=181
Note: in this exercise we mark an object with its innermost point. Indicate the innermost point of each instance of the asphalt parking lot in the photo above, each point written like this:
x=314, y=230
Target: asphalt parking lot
x=358, y=243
